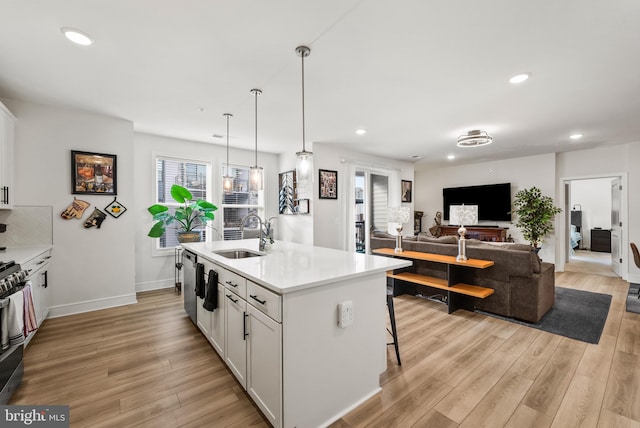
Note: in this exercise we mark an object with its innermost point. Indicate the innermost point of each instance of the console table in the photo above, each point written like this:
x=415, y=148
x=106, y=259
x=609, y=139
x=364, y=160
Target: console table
x=494, y=234
x=459, y=295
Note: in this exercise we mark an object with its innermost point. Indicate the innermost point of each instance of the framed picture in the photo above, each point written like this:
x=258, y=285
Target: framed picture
x=328, y=184
x=287, y=194
x=406, y=190
x=303, y=206
x=93, y=174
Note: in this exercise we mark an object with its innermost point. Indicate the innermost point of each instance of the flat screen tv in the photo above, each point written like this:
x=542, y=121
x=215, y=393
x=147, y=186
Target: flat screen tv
x=493, y=200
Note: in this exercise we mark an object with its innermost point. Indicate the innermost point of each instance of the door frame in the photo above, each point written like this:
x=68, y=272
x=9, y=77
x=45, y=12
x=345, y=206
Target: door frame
x=563, y=228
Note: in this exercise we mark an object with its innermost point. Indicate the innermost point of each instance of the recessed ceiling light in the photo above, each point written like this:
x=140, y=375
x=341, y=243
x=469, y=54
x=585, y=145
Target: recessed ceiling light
x=77, y=36
x=519, y=78
x=361, y=131
x=451, y=157
x=576, y=136
x=416, y=157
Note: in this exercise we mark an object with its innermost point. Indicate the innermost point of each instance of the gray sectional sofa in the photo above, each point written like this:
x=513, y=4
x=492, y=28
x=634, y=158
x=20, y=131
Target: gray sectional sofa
x=524, y=287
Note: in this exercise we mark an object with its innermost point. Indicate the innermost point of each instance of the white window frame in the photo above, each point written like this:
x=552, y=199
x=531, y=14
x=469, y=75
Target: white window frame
x=259, y=207
x=156, y=250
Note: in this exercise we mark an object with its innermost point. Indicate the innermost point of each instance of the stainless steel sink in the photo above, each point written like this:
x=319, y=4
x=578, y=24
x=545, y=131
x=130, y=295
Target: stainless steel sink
x=238, y=254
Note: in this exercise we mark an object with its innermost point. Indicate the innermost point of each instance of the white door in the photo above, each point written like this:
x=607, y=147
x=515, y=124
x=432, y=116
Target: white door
x=264, y=364
x=235, y=349
x=616, y=225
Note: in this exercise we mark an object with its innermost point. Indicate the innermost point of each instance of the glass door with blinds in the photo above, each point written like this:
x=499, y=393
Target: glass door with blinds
x=371, y=206
x=239, y=203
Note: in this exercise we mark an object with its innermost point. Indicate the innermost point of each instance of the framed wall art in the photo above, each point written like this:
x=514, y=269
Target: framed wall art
x=406, y=190
x=93, y=174
x=287, y=194
x=328, y=184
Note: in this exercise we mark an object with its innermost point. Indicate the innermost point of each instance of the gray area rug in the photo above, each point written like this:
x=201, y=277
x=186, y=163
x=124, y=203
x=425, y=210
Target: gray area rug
x=576, y=314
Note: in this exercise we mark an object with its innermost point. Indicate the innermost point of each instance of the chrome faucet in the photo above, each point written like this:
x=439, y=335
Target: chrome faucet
x=266, y=232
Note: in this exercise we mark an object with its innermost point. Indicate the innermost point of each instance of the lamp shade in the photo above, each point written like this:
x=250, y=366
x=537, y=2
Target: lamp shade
x=463, y=215
x=399, y=214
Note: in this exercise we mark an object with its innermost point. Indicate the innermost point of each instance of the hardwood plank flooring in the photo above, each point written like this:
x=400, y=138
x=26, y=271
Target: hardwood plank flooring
x=146, y=365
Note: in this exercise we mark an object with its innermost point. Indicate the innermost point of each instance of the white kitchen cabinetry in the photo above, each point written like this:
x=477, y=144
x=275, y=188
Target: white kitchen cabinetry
x=264, y=364
x=235, y=355
x=253, y=342
x=6, y=157
x=211, y=323
x=38, y=273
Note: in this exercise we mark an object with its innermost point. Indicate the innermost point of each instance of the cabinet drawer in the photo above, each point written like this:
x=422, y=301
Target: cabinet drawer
x=37, y=262
x=234, y=282
x=264, y=300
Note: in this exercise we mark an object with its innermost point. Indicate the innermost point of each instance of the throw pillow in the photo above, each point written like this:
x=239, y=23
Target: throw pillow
x=424, y=237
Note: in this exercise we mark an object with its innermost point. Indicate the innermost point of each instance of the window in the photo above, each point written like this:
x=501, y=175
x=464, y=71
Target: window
x=194, y=175
x=239, y=203
x=379, y=201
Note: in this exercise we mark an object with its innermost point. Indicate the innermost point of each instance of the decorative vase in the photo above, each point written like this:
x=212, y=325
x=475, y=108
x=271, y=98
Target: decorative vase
x=188, y=237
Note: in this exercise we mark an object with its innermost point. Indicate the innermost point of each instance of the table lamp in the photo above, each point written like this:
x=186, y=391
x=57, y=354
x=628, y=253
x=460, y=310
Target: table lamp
x=397, y=217
x=461, y=215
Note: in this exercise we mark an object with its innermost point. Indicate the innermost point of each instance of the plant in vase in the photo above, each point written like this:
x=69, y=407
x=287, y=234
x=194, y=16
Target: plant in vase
x=186, y=218
x=535, y=215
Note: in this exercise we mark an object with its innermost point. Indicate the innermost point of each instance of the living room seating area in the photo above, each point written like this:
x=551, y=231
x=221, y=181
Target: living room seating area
x=524, y=286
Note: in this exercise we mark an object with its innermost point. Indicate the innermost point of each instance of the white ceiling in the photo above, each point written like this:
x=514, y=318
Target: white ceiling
x=414, y=73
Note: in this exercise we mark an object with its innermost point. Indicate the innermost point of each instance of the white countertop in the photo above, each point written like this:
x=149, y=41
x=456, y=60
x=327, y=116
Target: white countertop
x=290, y=267
x=22, y=255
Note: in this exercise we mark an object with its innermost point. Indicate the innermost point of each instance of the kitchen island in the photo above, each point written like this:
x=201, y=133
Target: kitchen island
x=277, y=328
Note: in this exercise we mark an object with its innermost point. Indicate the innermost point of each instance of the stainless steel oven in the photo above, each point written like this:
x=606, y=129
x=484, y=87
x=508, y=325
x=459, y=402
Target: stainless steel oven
x=12, y=279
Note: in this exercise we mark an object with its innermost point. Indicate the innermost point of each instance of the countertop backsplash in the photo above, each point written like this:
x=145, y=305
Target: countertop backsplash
x=27, y=226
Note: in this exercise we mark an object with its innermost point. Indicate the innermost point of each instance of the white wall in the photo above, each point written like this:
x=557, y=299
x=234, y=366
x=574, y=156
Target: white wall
x=330, y=221
x=609, y=161
x=593, y=197
x=295, y=228
x=522, y=173
x=91, y=268
x=158, y=272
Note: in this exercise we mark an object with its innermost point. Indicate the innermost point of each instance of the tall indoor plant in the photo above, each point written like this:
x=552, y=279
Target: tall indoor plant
x=185, y=219
x=535, y=215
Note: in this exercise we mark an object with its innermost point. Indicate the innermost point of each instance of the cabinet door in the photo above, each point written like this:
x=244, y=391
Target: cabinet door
x=264, y=364
x=6, y=157
x=217, y=323
x=235, y=349
x=203, y=317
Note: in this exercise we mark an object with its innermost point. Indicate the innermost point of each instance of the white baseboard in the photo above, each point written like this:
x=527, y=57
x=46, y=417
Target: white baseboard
x=91, y=305
x=351, y=407
x=634, y=278
x=154, y=285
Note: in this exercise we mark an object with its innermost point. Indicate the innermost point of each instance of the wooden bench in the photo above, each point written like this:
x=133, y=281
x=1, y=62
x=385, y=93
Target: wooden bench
x=458, y=293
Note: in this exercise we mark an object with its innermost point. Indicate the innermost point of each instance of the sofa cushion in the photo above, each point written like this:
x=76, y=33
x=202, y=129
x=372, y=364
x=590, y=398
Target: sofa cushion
x=425, y=237
x=535, y=260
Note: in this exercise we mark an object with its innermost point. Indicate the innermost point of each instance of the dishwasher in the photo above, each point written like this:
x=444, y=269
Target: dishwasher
x=189, y=263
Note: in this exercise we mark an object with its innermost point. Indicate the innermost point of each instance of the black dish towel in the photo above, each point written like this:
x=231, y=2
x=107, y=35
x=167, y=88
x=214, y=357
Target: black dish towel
x=200, y=280
x=211, y=301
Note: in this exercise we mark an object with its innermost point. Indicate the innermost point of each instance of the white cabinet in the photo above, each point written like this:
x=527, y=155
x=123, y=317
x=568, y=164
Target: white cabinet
x=264, y=364
x=6, y=157
x=235, y=355
x=211, y=323
x=38, y=273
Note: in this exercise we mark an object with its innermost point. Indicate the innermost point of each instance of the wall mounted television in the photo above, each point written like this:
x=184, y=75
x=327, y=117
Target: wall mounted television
x=493, y=200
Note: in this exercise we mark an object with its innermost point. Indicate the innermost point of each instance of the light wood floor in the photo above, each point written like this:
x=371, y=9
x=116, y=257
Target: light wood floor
x=146, y=365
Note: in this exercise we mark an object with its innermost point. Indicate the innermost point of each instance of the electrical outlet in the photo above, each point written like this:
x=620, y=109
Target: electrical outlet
x=345, y=313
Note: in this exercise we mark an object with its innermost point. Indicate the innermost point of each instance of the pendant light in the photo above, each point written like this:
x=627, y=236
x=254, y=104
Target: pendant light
x=227, y=180
x=304, y=159
x=255, y=172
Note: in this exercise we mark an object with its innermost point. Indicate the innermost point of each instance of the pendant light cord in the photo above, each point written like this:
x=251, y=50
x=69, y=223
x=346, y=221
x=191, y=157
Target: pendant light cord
x=255, y=94
x=227, y=144
x=303, y=133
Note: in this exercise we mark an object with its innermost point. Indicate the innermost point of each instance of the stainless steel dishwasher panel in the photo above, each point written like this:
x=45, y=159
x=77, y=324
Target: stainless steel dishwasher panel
x=189, y=260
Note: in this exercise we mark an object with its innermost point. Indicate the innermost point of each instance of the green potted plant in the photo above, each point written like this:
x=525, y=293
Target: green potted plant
x=535, y=215
x=185, y=219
